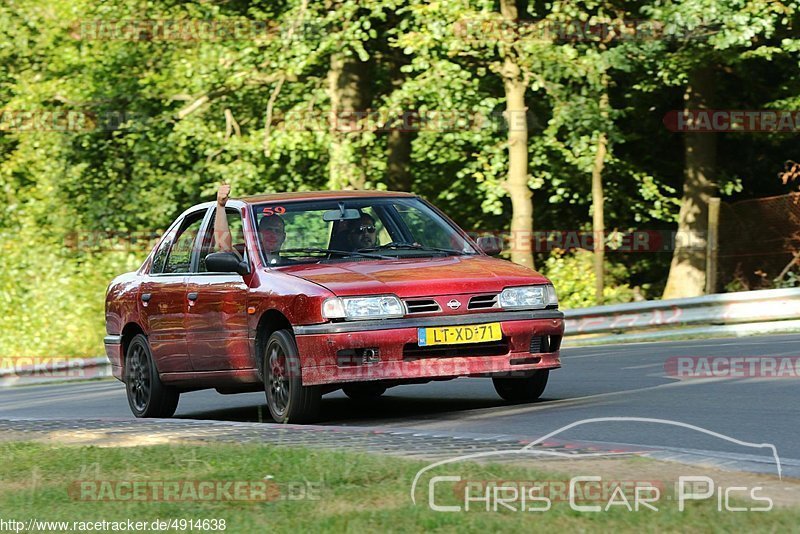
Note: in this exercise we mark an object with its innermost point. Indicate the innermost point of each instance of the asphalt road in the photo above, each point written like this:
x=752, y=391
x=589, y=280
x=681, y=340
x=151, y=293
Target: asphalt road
x=608, y=381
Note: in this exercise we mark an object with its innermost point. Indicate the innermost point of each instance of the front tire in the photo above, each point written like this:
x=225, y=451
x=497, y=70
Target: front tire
x=525, y=389
x=288, y=400
x=147, y=395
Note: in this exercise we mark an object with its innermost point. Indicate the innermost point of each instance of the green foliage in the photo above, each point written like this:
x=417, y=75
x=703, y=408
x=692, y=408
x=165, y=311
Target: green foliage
x=574, y=279
x=54, y=299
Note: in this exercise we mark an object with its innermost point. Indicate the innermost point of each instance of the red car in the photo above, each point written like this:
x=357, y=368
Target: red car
x=358, y=291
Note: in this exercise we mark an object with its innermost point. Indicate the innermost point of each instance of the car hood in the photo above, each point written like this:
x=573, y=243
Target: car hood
x=417, y=277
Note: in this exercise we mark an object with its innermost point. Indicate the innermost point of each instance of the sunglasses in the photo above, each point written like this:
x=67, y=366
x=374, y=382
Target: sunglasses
x=368, y=229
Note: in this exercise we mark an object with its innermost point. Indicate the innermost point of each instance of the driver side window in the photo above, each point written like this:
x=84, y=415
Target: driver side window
x=236, y=226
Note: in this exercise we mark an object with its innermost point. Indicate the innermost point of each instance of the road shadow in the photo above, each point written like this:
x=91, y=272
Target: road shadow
x=387, y=408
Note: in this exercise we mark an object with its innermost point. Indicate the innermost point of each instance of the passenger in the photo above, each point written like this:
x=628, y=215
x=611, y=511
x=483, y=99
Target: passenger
x=362, y=233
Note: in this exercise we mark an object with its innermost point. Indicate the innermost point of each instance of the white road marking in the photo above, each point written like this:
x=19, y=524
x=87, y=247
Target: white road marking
x=646, y=366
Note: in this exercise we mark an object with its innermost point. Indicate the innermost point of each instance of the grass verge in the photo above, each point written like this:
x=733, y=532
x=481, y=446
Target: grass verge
x=317, y=491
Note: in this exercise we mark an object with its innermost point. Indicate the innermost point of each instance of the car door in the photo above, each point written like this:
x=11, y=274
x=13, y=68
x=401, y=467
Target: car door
x=162, y=295
x=216, y=320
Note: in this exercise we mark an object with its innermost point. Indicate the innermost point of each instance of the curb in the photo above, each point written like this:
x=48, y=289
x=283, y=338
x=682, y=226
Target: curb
x=403, y=442
x=61, y=370
x=409, y=443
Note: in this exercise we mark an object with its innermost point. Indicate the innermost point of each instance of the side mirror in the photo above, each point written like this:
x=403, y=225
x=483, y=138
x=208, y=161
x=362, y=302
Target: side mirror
x=490, y=245
x=226, y=262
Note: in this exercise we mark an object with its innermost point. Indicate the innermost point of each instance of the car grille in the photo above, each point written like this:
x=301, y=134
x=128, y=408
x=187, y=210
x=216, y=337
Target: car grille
x=422, y=306
x=481, y=302
x=412, y=351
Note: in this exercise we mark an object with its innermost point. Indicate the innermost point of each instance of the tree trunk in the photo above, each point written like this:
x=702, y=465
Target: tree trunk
x=398, y=156
x=688, y=269
x=598, y=199
x=598, y=222
x=401, y=134
x=517, y=182
x=347, y=89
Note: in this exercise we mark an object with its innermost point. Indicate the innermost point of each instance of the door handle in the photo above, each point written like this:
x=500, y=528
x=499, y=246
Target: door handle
x=146, y=297
x=192, y=296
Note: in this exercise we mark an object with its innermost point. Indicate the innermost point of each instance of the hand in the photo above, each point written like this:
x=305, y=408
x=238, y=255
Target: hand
x=223, y=193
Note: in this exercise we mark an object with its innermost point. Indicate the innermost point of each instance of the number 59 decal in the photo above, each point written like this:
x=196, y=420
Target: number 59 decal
x=277, y=210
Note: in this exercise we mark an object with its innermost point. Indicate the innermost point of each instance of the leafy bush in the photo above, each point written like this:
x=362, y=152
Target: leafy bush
x=573, y=276
x=53, y=299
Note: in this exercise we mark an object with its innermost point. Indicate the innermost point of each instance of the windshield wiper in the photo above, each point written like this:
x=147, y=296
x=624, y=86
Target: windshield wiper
x=413, y=246
x=311, y=250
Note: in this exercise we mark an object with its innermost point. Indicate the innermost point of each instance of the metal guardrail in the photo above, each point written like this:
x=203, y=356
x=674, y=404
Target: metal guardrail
x=764, y=306
x=49, y=372
x=745, y=313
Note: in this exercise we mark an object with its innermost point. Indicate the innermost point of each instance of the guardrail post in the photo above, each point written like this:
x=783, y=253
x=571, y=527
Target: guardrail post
x=712, y=245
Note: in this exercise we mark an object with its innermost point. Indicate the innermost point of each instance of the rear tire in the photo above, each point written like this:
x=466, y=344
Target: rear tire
x=362, y=392
x=525, y=389
x=147, y=395
x=288, y=400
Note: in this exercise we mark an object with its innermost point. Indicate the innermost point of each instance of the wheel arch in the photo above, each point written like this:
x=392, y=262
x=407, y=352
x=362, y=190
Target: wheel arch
x=129, y=331
x=271, y=321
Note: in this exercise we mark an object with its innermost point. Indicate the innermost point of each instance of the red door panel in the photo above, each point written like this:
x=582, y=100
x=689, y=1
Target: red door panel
x=163, y=305
x=216, y=322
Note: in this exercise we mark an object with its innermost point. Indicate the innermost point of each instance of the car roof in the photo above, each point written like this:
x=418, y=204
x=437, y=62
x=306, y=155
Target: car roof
x=314, y=195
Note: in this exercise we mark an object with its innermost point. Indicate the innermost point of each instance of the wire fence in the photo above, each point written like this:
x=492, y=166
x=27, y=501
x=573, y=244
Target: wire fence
x=759, y=243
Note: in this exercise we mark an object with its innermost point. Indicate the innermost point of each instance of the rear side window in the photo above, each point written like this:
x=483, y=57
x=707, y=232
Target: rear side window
x=180, y=255
x=160, y=257
x=174, y=255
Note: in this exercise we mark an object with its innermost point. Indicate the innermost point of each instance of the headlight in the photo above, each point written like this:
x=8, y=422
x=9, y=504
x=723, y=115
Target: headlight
x=552, y=297
x=362, y=308
x=530, y=297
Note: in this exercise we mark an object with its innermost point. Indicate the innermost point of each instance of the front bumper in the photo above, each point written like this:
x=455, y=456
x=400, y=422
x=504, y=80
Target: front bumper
x=113, y=346
x=320, y=348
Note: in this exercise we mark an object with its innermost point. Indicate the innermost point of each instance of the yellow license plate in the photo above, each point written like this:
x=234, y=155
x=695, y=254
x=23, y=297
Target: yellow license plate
x=456, y=335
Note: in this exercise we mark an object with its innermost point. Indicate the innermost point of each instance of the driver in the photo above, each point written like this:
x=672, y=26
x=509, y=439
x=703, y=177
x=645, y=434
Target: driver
x=362, y=233
x=272, y=234
x=271, y=230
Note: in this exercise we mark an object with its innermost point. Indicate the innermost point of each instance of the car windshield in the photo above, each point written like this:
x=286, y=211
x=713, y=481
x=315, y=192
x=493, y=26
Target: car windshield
x=354, y=229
